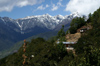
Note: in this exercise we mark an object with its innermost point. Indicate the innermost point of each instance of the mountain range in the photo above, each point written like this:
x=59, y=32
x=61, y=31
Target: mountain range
x=14, y=30
x=46, y=21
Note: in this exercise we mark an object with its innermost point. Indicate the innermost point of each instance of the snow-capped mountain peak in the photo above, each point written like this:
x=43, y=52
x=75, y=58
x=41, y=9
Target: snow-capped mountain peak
x=59, y=17
x=43, y=21
x=75, y=14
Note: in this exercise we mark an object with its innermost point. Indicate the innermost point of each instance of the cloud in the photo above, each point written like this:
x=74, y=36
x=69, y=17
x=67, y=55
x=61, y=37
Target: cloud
x=84, y=7
x=59, y=3
x=8, y=5
x=47, y=5
x=55, y=7
x=42, y=7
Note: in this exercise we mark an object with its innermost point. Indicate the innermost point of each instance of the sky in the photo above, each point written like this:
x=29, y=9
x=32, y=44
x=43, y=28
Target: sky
x=22, y=8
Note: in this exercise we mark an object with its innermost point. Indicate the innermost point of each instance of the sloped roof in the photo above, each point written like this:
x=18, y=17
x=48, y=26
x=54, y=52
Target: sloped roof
x=67, y=42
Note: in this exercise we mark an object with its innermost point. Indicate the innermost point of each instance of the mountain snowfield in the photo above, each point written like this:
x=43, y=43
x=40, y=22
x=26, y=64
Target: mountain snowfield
x=42, y=21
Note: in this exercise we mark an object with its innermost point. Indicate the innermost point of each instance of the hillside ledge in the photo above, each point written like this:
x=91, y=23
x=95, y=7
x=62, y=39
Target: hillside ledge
x=73, y=37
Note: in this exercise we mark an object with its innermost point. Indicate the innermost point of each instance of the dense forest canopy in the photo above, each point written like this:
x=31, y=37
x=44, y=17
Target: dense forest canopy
x=48, y=53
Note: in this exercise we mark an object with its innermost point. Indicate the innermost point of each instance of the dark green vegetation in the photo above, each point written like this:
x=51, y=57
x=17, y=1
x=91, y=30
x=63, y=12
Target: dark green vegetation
x=76, y=24
x=88, y=46
x=45, y=53
x=48, y=53
x=17, y=45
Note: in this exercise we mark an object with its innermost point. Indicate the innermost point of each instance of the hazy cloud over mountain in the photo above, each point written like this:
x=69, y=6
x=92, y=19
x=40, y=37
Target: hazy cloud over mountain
x=83, y=7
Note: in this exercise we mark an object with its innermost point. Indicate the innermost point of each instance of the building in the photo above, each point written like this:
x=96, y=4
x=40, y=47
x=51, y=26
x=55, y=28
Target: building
x=68, y=45
x=83, y=30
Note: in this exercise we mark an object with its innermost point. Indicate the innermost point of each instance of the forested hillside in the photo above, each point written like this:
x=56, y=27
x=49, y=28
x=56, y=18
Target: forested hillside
x=48, y=53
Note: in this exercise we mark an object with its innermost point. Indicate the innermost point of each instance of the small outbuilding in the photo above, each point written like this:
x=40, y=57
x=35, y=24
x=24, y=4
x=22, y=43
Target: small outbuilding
x=68, y=45
x=83, y=30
